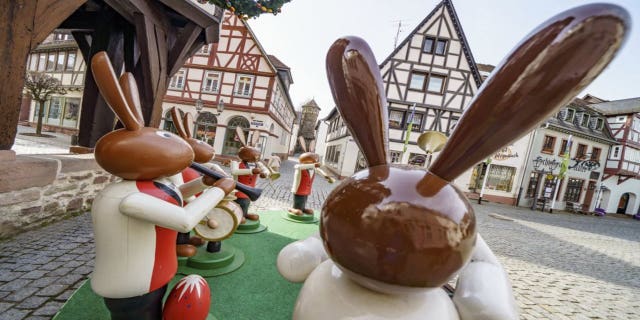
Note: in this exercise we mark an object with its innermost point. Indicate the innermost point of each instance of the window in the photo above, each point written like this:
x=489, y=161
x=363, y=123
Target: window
x=204, y=49
x=600, y=124
x=417, y=122
x=55, y=107
x=396, y=119
x=42, y=60
x=177, y=81
x=417, y=81
x=396, y=156
x=620, y=119
x=243, y=85
x=615, y=153
x=595, y=153
x=211, y=82
x=71, y=109
x=416, y=159
x=581, y=153
x=71, y=60
x=549, y=143
x=436, y=83
x=431, y=45
x=585, y=120
x=570, y=114
x=563, y=148
x=51, y=61
x=500, y=178
x=574, y=188
x=60, y=61
x=33, y=62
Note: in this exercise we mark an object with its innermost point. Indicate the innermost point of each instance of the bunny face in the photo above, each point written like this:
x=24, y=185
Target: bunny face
x=249, y=154
x=309, y=157
x=203, y=151
x=135, y=152
x=143, y=154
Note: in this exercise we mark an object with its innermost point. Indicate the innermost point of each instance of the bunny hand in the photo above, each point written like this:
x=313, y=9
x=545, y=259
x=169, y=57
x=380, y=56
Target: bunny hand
x=483, y=290
x=298, y=259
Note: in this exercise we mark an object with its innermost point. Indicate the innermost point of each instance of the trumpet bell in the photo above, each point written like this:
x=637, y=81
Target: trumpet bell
x=274, y=175
x=432, y=141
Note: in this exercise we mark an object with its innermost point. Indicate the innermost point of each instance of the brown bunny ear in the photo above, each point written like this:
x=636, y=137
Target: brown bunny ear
x=543, y=73
x=303, y=143
x=130, y=90
x=241, y=137
x=110, y=89
x=177, y=122
x=354, y=78
x=255, y=138
x=187, y=120
x=312, y=146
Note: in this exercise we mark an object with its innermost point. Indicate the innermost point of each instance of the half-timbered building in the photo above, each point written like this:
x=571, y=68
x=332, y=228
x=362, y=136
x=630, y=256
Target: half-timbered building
x=620, y=190
x=432, y=69
x=238, y=85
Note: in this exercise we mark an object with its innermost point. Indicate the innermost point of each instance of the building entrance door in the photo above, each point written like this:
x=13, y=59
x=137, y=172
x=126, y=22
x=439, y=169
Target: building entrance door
x=622, y=204
x=591, y=187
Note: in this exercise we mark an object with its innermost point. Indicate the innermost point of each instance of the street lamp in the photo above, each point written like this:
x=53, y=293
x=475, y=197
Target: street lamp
x=220, y=107
x=199, y=104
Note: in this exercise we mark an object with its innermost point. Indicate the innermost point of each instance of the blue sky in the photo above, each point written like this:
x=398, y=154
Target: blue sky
x=301, y=35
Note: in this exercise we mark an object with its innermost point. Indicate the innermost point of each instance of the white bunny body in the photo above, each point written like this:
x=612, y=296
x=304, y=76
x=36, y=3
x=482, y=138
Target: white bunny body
x=135, y=237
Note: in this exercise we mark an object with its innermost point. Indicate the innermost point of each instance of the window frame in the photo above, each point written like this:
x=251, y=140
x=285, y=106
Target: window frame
x=236, y=87
x=396, y=154
x=583, y=148
x=400, y=125
x=442, y=84
x=544, y=144
x=595, y=155
x=207, y=77
x=433, y=47
x=174, y=82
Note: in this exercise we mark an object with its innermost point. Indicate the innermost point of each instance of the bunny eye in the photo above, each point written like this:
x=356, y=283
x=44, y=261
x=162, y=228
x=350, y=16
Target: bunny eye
x=164, y=134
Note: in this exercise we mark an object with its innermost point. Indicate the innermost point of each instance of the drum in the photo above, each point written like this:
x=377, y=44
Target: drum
x=227, y=215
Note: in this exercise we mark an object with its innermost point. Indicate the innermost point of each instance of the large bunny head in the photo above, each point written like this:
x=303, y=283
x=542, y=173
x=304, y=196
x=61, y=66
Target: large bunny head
x=248, y=152
x=135, y=152
x=203, y=152
x=308, y=156
x=394, y=228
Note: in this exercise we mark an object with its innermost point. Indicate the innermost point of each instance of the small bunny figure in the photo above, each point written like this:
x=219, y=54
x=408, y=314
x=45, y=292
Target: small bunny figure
x=303, y=179
x=136, y=220
x=247, y=170
x=204, y=153
x=391, y=236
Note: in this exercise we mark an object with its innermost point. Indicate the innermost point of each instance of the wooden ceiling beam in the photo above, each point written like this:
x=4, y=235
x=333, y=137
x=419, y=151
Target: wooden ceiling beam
x=178, y=53
x=49, y=15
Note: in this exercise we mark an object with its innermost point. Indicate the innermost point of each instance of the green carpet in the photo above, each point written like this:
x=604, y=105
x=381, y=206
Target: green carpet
x=255, y=291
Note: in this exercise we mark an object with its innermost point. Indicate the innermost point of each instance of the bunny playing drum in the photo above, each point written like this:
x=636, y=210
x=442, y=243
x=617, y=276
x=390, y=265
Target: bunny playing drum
x=135, y=220
x=394, y=234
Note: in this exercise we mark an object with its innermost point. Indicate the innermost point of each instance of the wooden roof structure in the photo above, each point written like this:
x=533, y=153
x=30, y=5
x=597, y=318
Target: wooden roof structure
x=149, y=38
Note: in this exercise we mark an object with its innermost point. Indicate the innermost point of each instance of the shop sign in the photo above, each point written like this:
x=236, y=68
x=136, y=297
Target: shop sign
x=504, y=154
x=257, y=123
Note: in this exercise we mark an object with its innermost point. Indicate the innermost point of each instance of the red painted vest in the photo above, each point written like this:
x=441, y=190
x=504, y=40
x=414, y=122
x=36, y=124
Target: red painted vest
x=306, y=181
x=249, y=179
x=165, y=264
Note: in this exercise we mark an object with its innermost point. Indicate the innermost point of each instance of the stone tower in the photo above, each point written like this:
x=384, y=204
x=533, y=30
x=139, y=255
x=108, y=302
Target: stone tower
x=310, y=111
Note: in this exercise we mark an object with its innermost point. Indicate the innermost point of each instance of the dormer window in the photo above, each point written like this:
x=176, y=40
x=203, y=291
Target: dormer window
x=570, y=114
x=600, y=124
x=585, y=120
x=592, y=123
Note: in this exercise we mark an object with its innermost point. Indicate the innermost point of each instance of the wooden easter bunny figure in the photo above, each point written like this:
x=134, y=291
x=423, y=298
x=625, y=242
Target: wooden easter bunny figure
x=303, y=177
x=396, y=234
x=136, y=220
x=247, y=170
x=203, y=154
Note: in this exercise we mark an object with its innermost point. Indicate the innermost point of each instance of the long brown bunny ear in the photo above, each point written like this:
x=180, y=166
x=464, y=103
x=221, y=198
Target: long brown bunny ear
x=303, y=143
x=110, y=89
x=175, y=116
x=255, y=138
x=241, y=137
x=543, y=73
x=187, y=120
x=130, y=90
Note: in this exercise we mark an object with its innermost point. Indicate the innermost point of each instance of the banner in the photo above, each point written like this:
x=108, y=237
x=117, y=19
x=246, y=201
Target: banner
x=409, y=127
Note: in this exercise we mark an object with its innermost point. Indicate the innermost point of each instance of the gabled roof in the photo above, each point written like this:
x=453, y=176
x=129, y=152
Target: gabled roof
x=582, y=106
x=624, y=106
x=457, y=26
x=280, y=66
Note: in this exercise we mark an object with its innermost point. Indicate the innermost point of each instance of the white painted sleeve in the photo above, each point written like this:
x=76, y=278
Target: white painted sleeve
x=236, y=171
x=483, y=290
x=296, y=180
x=192, y=187
x=145, y=207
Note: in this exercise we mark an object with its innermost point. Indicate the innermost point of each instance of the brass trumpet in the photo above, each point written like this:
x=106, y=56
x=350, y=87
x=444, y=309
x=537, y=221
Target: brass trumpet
x=268, y=171
x=322, y=170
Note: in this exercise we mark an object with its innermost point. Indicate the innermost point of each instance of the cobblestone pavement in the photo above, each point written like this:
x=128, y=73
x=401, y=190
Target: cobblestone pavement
x=562, y=266
x=55, y=143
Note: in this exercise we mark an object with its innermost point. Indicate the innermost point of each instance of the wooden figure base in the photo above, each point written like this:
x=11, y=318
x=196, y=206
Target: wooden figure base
x=209, y=264
x=304, y=218
x=250, y=226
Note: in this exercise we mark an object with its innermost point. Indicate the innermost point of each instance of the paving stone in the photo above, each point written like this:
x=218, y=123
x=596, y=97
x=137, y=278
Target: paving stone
x=4, y=306
x=65, y=295
x=52, y=290
x=10, y=276
x=14, y=314
x=49, y=309
x=35, y=274
x=20, y=294
x=32, y=302
x=15, y=284
x=70, y=279
x=43, y=282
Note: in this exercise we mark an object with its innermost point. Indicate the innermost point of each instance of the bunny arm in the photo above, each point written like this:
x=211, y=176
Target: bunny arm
x=183, y=219
x=192, y=188
x=297, y=177
x=215, y=167
x=483, y=290
x=298, y=259
x=236, y=171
